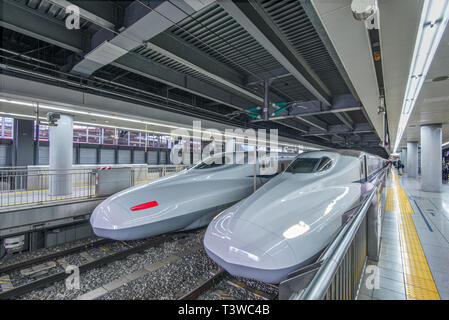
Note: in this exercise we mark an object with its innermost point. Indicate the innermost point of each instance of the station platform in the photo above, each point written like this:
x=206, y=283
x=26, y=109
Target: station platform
x=414, y=256
x=30, y=197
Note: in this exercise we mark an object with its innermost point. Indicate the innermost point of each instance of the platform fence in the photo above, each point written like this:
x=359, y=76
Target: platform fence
x=20, y=186
x=338, y=271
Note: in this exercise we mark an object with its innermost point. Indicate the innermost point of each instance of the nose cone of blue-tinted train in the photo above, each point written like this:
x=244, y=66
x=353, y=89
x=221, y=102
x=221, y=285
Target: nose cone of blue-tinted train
x=248, y=250
x=143, y=211
x=106, y=219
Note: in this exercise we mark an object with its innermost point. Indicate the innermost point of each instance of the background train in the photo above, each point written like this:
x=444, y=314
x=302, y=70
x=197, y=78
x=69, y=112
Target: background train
x=289, y=221
x=183, y=201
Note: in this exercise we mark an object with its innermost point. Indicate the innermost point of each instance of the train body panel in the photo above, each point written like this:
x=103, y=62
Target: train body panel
x=186, y=200
x=289, y=220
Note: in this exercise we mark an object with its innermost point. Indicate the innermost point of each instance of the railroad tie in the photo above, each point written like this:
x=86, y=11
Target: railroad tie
x=5, y=283
x=38, y=269
x=62, y=262
x=106, y=250
x=87, y=256
x=253, y=291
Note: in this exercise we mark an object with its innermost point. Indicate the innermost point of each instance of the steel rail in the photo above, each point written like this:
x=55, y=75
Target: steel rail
x=47, y=281
x=54, y=255
x=204, y=286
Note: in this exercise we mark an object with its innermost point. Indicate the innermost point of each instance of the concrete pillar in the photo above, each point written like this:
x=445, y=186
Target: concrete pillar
x=412, y=159
x=61, y=156
x=23, y=143
x=431, y=136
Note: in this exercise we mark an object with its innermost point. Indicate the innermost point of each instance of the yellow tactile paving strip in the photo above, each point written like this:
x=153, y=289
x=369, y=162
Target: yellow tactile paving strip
x=419, y=283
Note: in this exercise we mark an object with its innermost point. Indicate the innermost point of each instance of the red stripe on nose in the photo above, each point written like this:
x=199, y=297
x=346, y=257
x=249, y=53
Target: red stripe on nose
x=143, y=206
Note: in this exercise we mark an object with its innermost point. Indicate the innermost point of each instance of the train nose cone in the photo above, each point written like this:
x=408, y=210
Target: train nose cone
x=106, y=218
x=248, y=250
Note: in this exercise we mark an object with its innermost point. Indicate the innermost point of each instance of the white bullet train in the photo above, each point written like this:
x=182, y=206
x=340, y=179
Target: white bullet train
x=289, y=221
x=182, y=201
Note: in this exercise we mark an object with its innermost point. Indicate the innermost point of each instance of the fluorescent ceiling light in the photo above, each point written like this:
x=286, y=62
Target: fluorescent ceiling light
x=434, y=18
x=445, y=144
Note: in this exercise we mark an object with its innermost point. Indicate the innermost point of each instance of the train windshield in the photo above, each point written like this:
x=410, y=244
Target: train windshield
x=211, y=162
x=309, y=165
x=222, y=159
x=303, y=165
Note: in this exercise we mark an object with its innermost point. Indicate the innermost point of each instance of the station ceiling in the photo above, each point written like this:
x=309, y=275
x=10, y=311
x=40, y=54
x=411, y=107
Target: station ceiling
x=398, y=31
x=206, y=59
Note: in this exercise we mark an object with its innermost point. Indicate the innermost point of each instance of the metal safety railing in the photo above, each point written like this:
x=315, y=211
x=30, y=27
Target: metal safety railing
x=151, y=172
x=21, y=186
x=26, y=186
x=337, y=273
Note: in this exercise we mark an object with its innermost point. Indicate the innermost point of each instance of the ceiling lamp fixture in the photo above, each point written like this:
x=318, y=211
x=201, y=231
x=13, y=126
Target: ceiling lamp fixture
x=434, y=18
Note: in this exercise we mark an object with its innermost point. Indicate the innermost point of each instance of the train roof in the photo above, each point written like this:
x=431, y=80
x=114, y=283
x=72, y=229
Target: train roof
x=345, y=152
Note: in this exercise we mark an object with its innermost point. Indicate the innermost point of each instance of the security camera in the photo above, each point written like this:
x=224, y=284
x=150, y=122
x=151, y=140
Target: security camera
x=367, y=11
x=52, y=118
x=363, y=9
x=380, y=109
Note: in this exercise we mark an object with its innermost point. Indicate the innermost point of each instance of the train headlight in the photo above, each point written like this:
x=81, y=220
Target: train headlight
x=296, y=230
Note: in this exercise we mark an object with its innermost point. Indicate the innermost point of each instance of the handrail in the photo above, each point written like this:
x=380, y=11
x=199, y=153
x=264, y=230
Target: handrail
x=29, y=186
x=335, y=253
x=88, y=167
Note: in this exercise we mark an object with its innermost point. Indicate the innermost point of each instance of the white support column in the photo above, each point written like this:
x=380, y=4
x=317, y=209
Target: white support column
x=61, y=157
x=412, y=159
x=431, y=137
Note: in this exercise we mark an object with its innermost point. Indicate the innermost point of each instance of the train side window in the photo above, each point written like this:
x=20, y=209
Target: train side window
x=325, y=164
x=363, y=167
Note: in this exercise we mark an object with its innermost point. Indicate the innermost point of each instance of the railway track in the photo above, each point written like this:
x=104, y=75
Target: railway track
x=204, y=286
x=170, y=272
x=52, y=256
x=222, y=276
x=59, y=276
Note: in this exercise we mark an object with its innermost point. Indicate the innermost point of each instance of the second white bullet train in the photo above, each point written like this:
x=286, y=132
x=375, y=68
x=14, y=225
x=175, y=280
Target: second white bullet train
x=289, y=221
x=182, y=201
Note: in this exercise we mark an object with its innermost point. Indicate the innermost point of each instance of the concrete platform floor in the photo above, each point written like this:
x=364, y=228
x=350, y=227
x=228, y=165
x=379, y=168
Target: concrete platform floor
x=414, y=256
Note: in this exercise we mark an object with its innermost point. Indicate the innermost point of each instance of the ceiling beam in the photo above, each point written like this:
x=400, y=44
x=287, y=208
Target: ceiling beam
x=253, y=19
x=340, y=104
x=137, y=64
x=327, y=42
x=27, y=21
x=343, y=117
x=341, y=129
x=313, y=121
x=189, y=56
x=269, y=75
x=141, y=24
x=105, y=7
x=316, y=113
